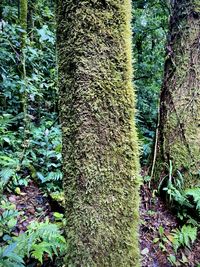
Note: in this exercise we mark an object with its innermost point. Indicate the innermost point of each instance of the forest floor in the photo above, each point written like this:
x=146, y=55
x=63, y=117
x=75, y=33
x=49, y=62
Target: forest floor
x=32, y=205
x=157, y=223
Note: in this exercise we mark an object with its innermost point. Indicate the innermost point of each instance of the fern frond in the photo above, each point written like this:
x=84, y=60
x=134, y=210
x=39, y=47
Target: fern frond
x=184, y=236
x=195, y=193
x=8, y=162
x=39, y=249
x=40, y=238
x=6, y=174
x=8, y=257
x=54, y=176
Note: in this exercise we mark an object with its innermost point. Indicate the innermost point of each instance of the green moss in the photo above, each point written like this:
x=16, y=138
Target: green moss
x=180, y=103
x=100, y=146
x=23, y=14
x=24, y=96
x=196, y=6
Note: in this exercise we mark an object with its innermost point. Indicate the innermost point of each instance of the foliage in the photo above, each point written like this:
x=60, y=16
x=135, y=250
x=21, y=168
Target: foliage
x=39, y=159
x=195, y=194
x=185, y=201
x=40, y=238
x=9, y=258
x=161, y=238
x=40, y=62
x=184, y=236
x=150, y=26
x=8, y=219
x=45, y=154
x=34, y=152
x=31, y=150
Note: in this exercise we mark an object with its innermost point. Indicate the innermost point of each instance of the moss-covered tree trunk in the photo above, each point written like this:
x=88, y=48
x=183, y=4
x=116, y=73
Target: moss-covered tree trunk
x=179, y=139
x=23, y=14
x=24, y=95
x=100, y=150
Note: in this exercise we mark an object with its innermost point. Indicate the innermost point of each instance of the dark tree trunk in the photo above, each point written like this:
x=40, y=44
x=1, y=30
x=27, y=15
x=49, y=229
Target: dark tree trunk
x=179, y=139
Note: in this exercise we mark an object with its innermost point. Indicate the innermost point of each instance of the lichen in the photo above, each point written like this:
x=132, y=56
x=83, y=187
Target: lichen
x=100, y=146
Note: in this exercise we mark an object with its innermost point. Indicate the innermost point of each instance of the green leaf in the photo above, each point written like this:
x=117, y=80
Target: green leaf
x=58, y=215
x=39, y=249
x=156, y=240
x=6, y=174
x=195, y=193
x=41, y=177
x=38, y=254
x=183, y=237
x=172, y=259
x=12, y=222
x=161, y=230
x=9, y=249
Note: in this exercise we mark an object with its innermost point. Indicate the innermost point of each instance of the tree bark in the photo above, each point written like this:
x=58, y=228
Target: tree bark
x=24, y=96
x=100, y=146
x=23, y=14
x=179, y=133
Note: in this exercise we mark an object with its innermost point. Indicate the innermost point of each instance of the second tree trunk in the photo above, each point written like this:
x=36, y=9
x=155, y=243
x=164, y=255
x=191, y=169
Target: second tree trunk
x=179, y=140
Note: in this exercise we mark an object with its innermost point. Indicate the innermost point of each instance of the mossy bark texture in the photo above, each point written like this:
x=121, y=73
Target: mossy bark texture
x=23, y=14
x=180, y=97
x=23, y=24
x=100, y=148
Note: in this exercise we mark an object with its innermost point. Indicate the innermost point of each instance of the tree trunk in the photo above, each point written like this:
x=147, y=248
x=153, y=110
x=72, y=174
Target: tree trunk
x=24, y=96
x=23, y=14
x=30, y=19
x=179, y=137
x=100, y=149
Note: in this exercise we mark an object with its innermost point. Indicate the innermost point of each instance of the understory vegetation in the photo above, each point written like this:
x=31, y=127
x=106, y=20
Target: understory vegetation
x=31, y=194
x=30, y=139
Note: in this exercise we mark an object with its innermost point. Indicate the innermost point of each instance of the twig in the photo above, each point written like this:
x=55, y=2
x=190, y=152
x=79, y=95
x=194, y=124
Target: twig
x=156, y=144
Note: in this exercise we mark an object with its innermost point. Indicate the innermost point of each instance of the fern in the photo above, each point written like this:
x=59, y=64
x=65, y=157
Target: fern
x=8, y=258
x=8, y=162
x=39, y=249
x=184, y=237
x=176, y=194
x=51, y=176
x=9, y=167
x=195, y=193
x=6, y=120
x=40, y=238
x=54, y=176
x=8, y=219
x=5, y=175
